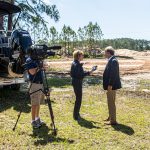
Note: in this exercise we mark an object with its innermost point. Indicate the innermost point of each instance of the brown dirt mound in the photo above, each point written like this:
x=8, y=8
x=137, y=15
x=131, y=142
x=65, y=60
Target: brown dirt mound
x=131, y=53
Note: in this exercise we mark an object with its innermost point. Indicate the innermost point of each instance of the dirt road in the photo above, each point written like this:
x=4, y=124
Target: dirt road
x=127, y=66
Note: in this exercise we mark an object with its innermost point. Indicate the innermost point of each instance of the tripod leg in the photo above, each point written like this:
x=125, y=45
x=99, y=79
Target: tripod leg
x=26, y=96
x=17, y=120
x=46, y=92
x=51, y=115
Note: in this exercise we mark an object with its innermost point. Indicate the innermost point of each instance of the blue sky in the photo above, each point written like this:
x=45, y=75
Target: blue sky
x=117, y=18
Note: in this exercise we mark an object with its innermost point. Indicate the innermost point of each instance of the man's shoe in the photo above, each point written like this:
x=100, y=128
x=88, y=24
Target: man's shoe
x=40, y=122
x=35, y=125
x=111, y=123
x=107, y=119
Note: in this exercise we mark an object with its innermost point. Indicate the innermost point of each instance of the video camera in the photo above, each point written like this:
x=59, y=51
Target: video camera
x=40, y=52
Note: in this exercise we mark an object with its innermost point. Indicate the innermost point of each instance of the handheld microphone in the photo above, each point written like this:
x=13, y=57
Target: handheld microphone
x=94, y=68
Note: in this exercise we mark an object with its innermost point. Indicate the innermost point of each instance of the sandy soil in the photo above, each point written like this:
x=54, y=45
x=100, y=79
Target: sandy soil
x=127, y=66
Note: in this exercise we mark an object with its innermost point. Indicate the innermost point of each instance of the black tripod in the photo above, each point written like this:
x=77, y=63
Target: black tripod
x=47, y=95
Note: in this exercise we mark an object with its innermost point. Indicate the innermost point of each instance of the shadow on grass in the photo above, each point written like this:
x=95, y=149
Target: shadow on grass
x=92, y=80
x=124, y=129
x=45, y=137
x=62, y=82
x=87, y=124
x=14, y=99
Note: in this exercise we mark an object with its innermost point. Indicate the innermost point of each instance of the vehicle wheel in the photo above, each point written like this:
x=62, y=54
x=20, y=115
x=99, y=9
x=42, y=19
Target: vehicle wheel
x=15, y=87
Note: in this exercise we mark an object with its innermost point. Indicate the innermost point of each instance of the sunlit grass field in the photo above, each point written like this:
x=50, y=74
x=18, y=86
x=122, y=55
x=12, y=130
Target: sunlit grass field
x=90, y=133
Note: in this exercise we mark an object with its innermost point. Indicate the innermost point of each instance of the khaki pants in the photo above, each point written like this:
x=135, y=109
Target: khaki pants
x=37, y=98
x=111, y=97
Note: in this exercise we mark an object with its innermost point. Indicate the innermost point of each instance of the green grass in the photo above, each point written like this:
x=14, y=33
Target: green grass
x=144, y=84
x=56, y=57
x=89, y=133
x=59, y=82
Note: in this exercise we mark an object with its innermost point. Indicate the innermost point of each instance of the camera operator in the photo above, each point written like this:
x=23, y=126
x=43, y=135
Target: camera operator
x=36, y=83
x=77, y=74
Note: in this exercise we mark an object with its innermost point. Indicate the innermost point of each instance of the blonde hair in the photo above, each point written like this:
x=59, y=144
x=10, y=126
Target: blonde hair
x=110, y=50
x=77, y=53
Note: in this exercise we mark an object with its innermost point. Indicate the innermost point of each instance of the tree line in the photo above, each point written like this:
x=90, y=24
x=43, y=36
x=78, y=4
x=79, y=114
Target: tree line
x=86, y=38
x=90, y=38
x=126, y=43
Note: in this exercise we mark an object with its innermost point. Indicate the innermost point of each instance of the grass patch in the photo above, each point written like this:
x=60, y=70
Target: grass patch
x=144, y=84
x=89, y=133
x=92, y=81
x=56, y=57
x=59, y=82
x=50, y=70
x=62, y=82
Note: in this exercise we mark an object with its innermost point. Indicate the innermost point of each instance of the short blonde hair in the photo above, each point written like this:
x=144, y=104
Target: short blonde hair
x=110, y=50
x=77, y=53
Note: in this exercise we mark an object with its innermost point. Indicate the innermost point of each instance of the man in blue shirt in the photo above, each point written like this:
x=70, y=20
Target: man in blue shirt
x=36, y=81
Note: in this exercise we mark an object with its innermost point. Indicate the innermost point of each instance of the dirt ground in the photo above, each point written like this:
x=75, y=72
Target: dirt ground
x=136, y=65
